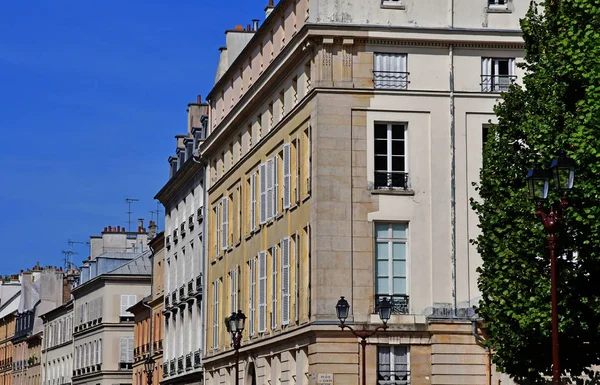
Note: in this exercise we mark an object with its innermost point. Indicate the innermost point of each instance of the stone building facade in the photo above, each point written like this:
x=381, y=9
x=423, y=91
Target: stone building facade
x=343, y=144
x=10, y=297
x=57, y=352
x=183, y=199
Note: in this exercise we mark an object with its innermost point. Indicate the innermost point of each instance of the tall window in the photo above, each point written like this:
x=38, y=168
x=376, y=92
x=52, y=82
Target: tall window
x=262, y=292
x=497, y=74
x=393, y=365
x=391, y=274
x=216, y=314
x=390, y=156
x=389, y=71
x=274, y=287
x=127, y=301
x=251, y=295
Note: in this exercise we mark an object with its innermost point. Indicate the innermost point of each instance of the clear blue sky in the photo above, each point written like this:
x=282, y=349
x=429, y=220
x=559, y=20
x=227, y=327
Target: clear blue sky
x=91, y=96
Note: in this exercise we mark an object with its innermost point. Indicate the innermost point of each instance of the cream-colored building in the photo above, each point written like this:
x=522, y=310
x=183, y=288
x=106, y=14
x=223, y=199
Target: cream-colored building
x=344, y=140
x=183, y=199
x=57, y=347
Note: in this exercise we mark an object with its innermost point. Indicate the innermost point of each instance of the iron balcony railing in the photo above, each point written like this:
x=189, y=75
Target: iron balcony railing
x=198, y=291
x=390, y=80
x=399, y=302
x=174, y=298
x=391, y=180
x=496, y=83
x=172, y=367
x=182, y=293
x=197, y=355
x=393, y=377
x=190, y=287
x=180, y=365
x=188, y=361
x=165, y=368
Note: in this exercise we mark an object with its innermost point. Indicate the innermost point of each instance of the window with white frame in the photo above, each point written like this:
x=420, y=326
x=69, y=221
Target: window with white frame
x=127, y=301
x=393, y=365
x=497, y=74
x=224, y=223
x=216, y=321
x=390, y=71
x=498, y=4
x=126, y=352
x=285, y=281
x=392, y=3
x=233, y=290
x=391, y=244
x=251, y=295
x=268, y=189
x=262, y=292
x=274, y=288
x=390, y=171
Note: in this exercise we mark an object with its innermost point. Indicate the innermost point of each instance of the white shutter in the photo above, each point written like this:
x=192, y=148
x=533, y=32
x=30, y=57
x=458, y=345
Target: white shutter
x=224, y=223
x=287, y=176
x=253, y=201
x=309, y=161
x=275, y=186
x=262, y=292
x=236, y=289
x=124, y=306
x=486, y=72
x=100, y=351
x=296, y=279
x=297, y=169
x=262, y=174
x=285, y=281
x=269, y=178
x=216, y=314
x=274, y=287
x=217, y=231
x=100, y=302
x=130, y=349
x=251, y=295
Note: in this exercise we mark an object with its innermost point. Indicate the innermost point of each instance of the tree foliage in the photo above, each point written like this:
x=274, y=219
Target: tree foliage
x=557, y=107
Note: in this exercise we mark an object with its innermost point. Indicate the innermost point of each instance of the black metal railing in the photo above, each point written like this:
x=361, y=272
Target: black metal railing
x=197, y=355
x=182, y=293
x=188, y=361
x=167, y=302
x=180, y=365
x=391, y=180
x=174, y=298
x=393, y=377
x=390, y=79
x=172, y=367
x=496, y=83
x=190, y=287
x=399, y=302
x=198, y=285
x=165, y=368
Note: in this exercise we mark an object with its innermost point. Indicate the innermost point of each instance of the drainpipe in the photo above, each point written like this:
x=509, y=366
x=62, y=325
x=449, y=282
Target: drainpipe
x=452, y=180
x=151, y=297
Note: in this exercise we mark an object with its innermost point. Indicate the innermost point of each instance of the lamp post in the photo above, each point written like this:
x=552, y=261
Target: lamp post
x=562, y=171
x=385, y=311
x=149, y=368
x=235, y=326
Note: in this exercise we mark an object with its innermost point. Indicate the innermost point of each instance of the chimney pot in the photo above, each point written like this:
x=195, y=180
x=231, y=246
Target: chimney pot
x=199, y=99
x=254, y=25
x=109, y=229
x=118, y=229
x=123, y=230
x=104, y=229
x=238, y=28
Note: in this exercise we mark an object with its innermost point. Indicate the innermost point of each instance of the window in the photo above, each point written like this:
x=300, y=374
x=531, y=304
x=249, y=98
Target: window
x=393, y=365
x=285, y=281
x=392, y=4
x=307, y=79
x=126, y=352
x=251, y=295
x=497, y=74
x=389, y=70
x=262, y=292
x=216, y=314
x=390, y=156
x=287, y=176
x=274, y=288
x=391, y=273
x=217, y=231
x=252, y=207
x=224, y=223
x=233, y=290
x=501, y=4
x=127, y=301
x=295, y=90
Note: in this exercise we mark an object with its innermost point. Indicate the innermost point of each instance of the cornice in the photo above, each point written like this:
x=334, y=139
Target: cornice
x=173, y=187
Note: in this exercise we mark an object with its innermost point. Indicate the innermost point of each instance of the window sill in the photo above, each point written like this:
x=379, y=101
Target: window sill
x=305, y=198
x=393, y=5
x=498, y=9
x=393, y=192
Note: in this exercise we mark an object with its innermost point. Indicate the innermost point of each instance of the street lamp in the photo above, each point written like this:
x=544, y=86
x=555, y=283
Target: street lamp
x=235, y=325
x=149, y=368
x=342, y=308
x=562, y=171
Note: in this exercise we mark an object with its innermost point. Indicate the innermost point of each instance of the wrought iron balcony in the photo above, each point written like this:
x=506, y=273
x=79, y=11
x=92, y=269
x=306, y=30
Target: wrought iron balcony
x=180, y=365
x=399, y=302
x=391, y=180
x=394, y=80
x=190, y=287
x=197, y=356
x=199, y=215
x=198, y=291
x=496, y=83
x=166, y=302
x=174, y=298
x=393, y=377
x=182, y=230
x=188, y=361
x=191, y=222
x=182, y=293
x=172, y=367
x=165, y=369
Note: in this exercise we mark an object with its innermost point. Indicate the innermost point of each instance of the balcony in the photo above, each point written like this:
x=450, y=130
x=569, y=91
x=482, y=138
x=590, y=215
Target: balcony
x=198, y=292
x=496, y=83
x=172, y=367
x=182, y=230
x=190, y=287
x=174, y=298
x=188, y=362
x=199, y=215
x=168, y=243
x=165, y=369
x=180, y=365
x=175, y=239
x=391, y=180
x=399, y=302
x=197, y=356
x=166, y=302
x=182, y=293
x=393, y=377
x=390, y=80
x=191, y=222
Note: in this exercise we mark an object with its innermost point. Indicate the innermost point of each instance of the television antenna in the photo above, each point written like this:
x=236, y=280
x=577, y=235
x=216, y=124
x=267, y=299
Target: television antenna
x=129, y=201
x=67, y=258
x=155, y=212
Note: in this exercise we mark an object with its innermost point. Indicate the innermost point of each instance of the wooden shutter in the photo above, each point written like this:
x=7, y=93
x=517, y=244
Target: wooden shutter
x=262, y=188
x=251, y=295
x=275, y=186
x=274, y=287
x=296, y=278
x=269, y=179
x=285, y=281
x=253, y=201
x=297, y=187
x=124, y=306
x=287, y=176
x=262, y=292
x=224, y=223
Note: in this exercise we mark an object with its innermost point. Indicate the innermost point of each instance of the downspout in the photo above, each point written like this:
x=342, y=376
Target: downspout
x=150, y=342
x=452, y=180
x=204, y=270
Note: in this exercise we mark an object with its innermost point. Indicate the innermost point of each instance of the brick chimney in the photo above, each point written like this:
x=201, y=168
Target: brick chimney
x=269, y=8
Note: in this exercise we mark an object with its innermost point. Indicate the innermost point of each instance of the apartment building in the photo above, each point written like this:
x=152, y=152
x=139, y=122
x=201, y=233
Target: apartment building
x=10, y=296
x=57, y=345
x=148, y=318
x=116, y=275
x=183, y=199
x=344, y=141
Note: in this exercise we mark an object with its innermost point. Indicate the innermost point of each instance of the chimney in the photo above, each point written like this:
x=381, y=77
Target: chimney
x=199, y=99
x=109, y=229
x=118, y=229
x=248, y=28
x=104, y=230
x=123, y=229
x=255, y=25
x=269, y=8
x=152, y=231
x=238, y=28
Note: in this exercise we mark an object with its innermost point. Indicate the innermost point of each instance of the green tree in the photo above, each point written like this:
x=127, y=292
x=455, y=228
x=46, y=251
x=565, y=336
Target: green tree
x=558, y=107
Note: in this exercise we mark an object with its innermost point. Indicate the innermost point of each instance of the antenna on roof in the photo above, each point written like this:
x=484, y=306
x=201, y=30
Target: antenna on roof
x=129, y=201
x=67, y=258
x=155, y=212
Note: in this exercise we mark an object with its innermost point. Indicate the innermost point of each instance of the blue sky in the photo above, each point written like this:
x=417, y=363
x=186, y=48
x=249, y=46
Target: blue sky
x=91, y=96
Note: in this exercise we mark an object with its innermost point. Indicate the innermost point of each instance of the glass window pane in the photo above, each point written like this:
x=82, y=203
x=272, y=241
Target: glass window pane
x=381, y=147
x=397, y=147
x=397, y=163
x=383, y=268
x=399, y=286
x=399, y=269
x=397, y=131
x=399, y=230
x=382, y=250
x=380, y=131
x=383, y=286
x=381, y=163
x=382, y=230
x=399, y=250
x=502, y=67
